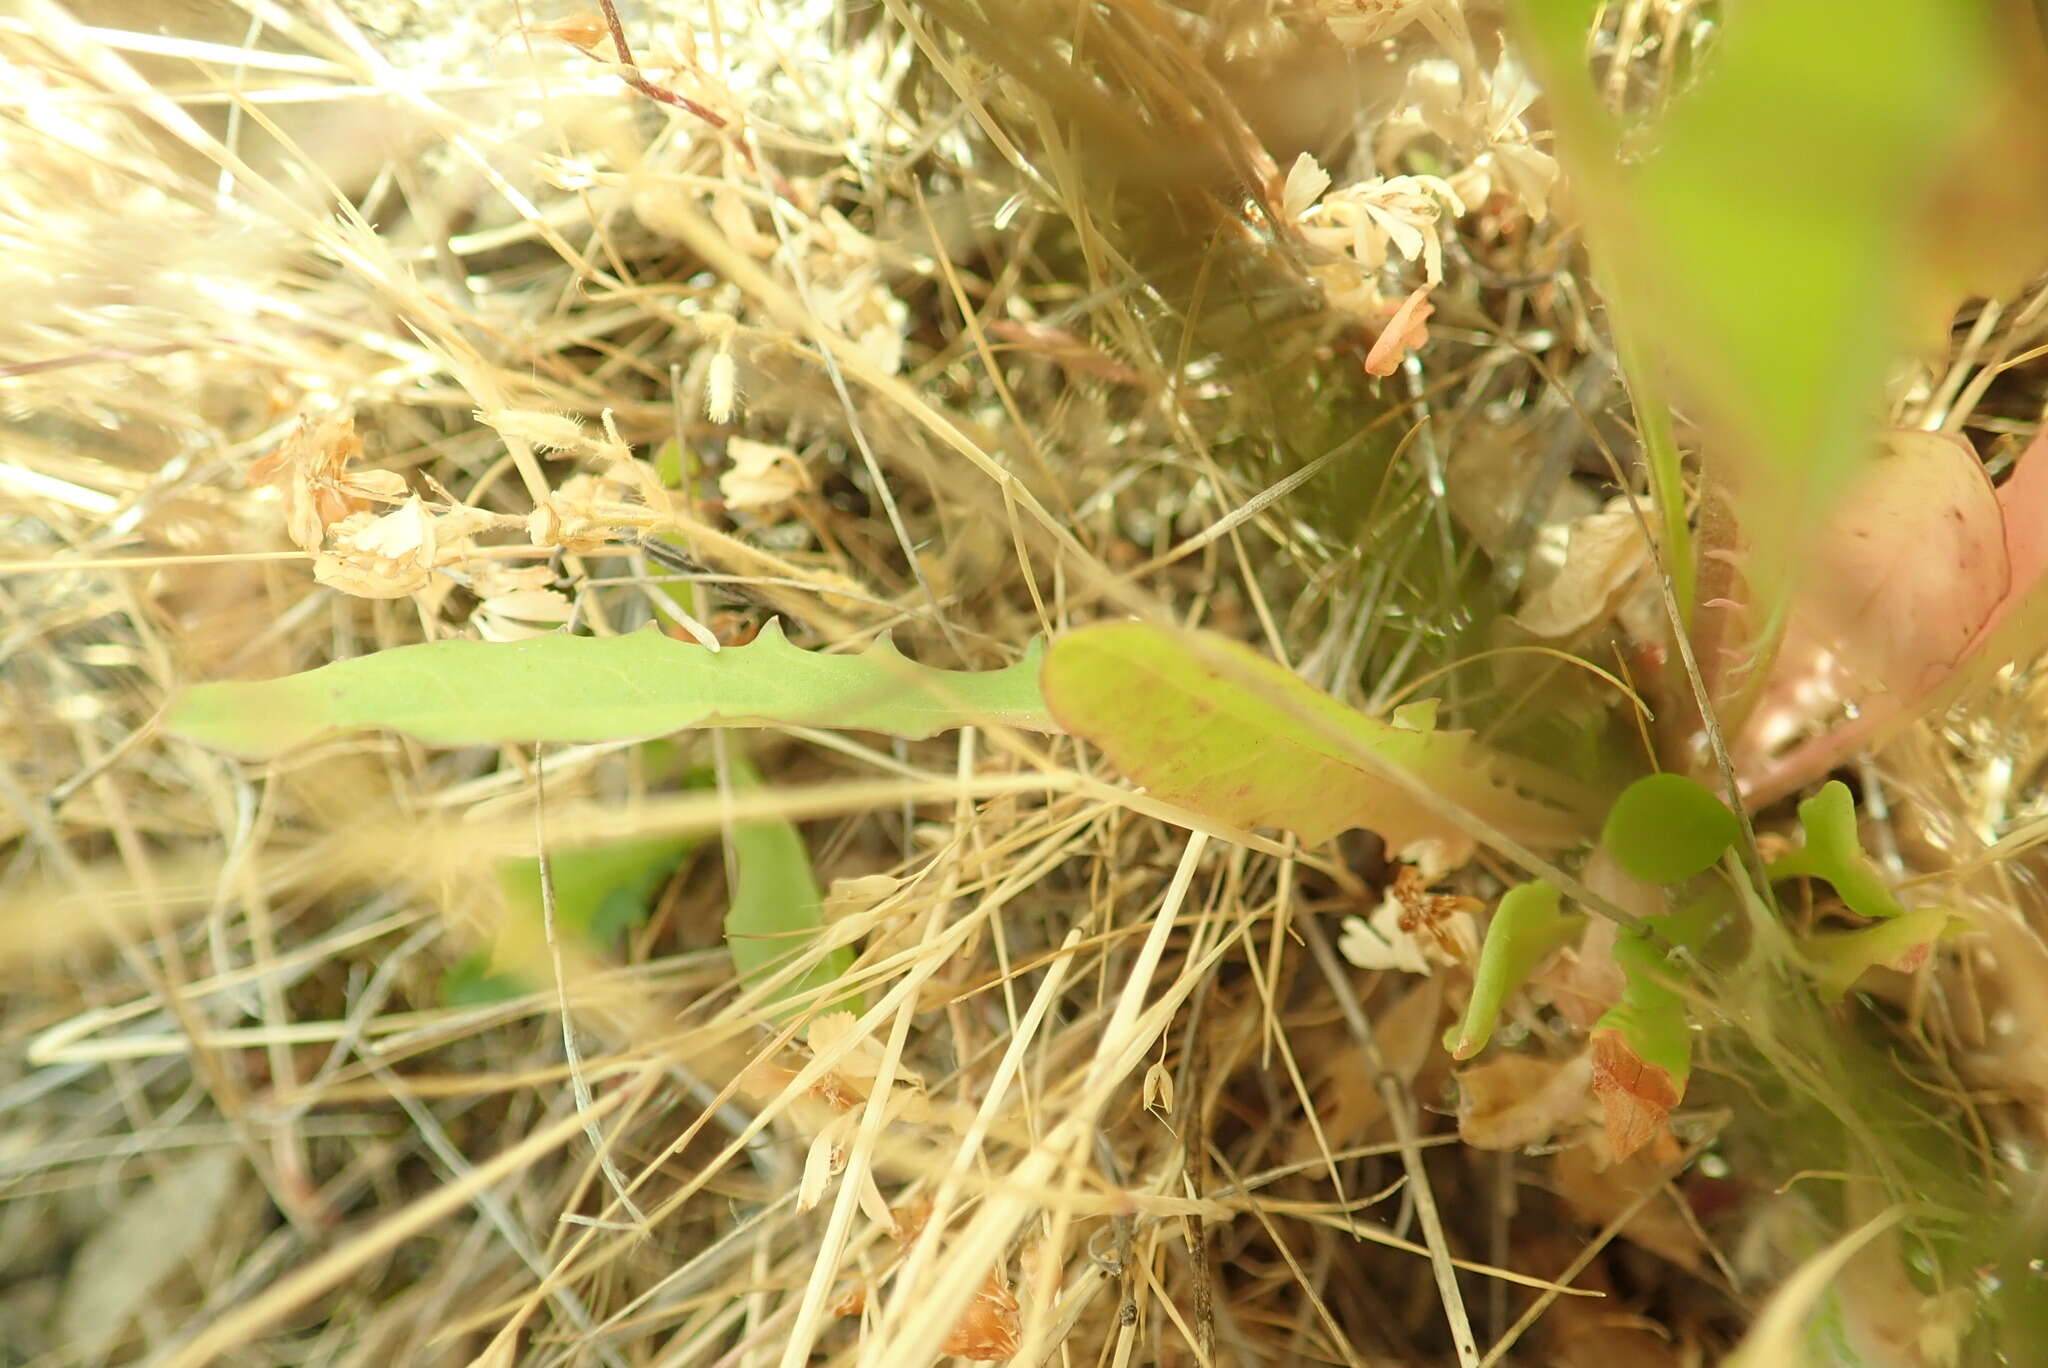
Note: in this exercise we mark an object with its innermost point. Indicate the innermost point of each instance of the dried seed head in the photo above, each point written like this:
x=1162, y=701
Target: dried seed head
x=721, y=388
x=584, y=29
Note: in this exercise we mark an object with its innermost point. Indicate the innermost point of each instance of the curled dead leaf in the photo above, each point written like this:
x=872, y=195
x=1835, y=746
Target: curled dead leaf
x=1513, y=1101
x=1603, y=554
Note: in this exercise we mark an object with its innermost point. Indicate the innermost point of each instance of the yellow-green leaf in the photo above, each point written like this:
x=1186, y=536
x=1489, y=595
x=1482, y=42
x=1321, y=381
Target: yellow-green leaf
x=1207, y=723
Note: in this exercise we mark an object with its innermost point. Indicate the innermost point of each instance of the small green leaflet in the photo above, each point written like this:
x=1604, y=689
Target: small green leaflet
x=1833, y=851
x=1527, y=926
x=1665, y=828
x=586, y=689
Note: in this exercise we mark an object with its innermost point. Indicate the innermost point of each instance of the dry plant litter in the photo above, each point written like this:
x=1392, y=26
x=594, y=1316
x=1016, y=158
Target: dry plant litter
x=341, y=325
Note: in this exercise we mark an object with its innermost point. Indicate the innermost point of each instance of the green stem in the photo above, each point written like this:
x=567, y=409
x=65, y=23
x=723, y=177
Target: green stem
x=1660, y=455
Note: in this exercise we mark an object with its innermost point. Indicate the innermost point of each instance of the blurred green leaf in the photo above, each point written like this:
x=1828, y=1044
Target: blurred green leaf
x=1208, y=723
x=600, y=892
x=471, y=982
x=581, y=689
x=1664, y=828
x=777, y=910
x=1765, y=247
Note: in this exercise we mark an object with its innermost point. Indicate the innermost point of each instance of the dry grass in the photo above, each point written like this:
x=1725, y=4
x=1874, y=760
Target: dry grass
x=1021, y=296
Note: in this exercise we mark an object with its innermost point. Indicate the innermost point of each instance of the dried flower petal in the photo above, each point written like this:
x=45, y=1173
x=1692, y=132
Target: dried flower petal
x=1306, y=182
x=761, y=475
x=1406, y=331
x=319, y=490
x=387, y=557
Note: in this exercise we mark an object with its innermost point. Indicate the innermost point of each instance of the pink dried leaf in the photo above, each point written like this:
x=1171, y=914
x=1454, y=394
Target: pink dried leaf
x=1909, y=568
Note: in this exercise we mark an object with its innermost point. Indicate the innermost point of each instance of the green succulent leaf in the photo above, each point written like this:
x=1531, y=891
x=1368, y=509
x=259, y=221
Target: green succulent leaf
x=1527, y=926
x=1838, y=958
x=1665, y=828
x=1834, y=852
x=585, y=689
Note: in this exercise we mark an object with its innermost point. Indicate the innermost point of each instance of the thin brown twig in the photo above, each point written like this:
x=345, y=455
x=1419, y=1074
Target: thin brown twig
x=632, y=77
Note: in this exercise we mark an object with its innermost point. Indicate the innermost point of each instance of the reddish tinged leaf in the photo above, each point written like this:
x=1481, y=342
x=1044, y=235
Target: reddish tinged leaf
x=2023, y=507
x=1905, y=575
x=1636, y=1097
x=2013, y=627
x=1909, y=566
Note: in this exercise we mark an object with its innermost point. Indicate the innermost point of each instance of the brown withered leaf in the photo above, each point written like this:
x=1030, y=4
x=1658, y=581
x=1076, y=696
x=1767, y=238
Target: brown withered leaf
x=1347, y=1103
x=1636, y=1097
x=1598, y=1192
x=1512, y=1101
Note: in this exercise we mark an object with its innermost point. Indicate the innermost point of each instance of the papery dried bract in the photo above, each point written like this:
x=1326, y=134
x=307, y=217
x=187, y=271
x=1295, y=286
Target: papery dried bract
x=761, y=474
x=387, y=557
x=320, y=490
